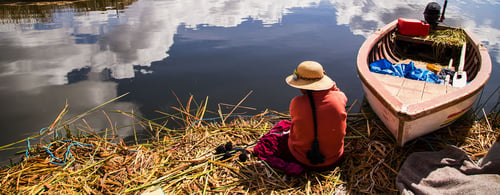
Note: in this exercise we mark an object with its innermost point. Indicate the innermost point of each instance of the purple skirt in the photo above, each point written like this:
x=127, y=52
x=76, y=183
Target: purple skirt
x=273, y=148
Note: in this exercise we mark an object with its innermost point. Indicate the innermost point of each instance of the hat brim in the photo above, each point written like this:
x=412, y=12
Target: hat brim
x=315, y=85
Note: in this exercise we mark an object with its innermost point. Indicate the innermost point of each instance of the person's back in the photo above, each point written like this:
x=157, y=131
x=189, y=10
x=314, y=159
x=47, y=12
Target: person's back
x=315, y=137
x=331, y=124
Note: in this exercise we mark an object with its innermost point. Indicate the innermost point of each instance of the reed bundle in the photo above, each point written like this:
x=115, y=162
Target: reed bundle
x=451, y=36
x=184, y=161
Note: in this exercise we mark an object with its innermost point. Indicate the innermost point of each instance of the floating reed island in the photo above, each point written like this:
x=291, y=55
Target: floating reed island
x=184, y=160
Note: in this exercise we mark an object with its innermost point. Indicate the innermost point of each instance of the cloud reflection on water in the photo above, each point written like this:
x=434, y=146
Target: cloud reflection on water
x=36, y=59
x=144, y=32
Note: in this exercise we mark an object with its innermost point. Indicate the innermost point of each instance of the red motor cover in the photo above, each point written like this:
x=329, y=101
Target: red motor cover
x=412, y=27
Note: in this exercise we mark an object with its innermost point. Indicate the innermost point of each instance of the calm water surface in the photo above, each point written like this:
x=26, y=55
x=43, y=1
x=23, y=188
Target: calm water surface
x=87, y=53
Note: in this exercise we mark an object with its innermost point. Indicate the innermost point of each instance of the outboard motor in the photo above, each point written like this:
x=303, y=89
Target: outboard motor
x=432, y=13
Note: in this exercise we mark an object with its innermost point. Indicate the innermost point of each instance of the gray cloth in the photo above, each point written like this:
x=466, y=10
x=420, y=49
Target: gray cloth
x=450, y=171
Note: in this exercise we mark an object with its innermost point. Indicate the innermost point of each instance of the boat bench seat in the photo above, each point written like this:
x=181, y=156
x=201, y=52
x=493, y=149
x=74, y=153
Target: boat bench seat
x=410, y=91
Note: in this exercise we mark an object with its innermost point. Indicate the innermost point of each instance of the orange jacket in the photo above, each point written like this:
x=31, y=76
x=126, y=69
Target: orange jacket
x=331, y=125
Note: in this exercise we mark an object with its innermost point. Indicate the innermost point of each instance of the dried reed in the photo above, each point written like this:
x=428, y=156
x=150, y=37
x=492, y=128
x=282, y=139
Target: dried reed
x=447, y=38
x=183, y=161
x=450, y=36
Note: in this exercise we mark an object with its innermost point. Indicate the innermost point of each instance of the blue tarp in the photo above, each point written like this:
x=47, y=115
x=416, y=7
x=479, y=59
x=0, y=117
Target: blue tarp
x=409, y=71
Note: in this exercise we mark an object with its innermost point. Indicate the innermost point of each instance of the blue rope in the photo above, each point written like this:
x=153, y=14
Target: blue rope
x=46, y=128
x=67, y=154
x=28, y=140
x=43, y=129
x=29, y=148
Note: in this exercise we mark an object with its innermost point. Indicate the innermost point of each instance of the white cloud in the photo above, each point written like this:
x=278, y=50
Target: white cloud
x=141, y=34
x=145, y=31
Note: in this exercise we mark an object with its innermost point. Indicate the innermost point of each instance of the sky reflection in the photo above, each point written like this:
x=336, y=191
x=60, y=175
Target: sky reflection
x=145, y=31
x=218, y=48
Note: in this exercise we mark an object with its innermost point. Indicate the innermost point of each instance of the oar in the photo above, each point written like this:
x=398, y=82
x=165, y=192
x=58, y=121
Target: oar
x=460, y=77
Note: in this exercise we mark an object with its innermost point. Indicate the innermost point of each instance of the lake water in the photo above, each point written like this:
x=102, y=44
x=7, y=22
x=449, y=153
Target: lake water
x=88, y=52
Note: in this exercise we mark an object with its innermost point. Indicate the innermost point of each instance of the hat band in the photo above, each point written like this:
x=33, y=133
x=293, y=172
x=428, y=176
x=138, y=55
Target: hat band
x=296, y=76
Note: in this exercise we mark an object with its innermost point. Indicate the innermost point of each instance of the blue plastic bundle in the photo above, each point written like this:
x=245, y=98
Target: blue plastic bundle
x=409, y=71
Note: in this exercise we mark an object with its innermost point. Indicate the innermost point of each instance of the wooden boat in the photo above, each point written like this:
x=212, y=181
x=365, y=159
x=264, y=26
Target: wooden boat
x=412, y=108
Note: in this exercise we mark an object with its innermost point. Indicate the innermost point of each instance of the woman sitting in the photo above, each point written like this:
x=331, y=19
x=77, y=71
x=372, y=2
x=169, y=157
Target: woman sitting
x=314, y=139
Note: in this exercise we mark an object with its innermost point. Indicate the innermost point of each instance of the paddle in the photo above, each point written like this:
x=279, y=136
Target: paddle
x=460, y=77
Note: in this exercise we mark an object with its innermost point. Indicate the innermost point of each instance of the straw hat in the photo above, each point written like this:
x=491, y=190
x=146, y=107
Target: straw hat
x=310, y=75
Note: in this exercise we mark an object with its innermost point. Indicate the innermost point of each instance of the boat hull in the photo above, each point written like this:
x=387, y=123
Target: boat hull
x=406, y=130
x=388, y=96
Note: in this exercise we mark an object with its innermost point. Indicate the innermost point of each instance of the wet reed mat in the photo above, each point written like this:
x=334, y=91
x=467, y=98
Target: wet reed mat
x=184, y=161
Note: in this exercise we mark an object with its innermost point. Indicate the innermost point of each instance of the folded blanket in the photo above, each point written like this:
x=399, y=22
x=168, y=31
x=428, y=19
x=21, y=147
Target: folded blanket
x=450, y=171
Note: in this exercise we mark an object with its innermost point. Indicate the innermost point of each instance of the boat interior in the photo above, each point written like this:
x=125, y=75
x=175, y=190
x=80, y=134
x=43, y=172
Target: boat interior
x=399, y=48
